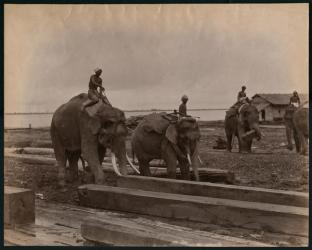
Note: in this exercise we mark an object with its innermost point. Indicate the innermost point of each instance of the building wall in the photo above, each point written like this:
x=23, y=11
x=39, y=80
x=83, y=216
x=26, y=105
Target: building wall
x=271, y=112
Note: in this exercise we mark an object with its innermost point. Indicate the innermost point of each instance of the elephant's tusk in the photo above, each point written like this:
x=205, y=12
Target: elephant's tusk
x=134, y=168
x=189, y=159
x=201, y=162
x=115, y=164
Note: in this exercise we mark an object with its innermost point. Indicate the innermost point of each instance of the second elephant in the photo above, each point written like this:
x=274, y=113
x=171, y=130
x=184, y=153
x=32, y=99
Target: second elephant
x=301, y=124
x=242, y=122
x=159, y=136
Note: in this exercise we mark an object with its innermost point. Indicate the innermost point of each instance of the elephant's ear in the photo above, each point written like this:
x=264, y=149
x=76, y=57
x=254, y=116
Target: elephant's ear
x=94, y=125
x=172, y=134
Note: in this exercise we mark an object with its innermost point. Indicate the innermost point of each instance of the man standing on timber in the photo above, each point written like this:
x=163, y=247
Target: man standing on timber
x=94, y=94
x=182, y=107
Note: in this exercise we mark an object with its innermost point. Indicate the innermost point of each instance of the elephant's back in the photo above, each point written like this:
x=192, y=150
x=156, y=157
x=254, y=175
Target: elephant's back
x=148, y=134
x=66, y=120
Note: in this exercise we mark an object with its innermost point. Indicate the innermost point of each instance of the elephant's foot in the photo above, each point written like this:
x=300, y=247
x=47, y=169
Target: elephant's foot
x=123, y=171
x=290, y=147
x=304, y=152
x=99, y=177
x=62, y=186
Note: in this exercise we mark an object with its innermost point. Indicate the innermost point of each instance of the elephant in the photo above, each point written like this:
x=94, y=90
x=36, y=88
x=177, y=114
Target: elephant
x=161, y=136
x=242, y=122
x=75, y=132
x=300, y=121
x=291, y=132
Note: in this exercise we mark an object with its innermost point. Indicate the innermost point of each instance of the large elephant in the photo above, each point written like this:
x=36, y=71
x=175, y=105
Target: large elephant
x=242, y=122
x=161, y=136
x=300, y=120
x=291, y=132
x=75, y=132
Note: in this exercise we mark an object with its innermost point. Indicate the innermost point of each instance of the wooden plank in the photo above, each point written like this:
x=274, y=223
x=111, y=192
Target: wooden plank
x=254, y=215
x=16, y=238
x=72, y=216
x=207, y=189
x=123, y=233
x=122, y=228
x=19, y=205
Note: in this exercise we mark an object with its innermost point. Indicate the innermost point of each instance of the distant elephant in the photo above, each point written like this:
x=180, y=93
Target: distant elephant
x=291, y=132
x=75, y=132
x=158, y=136
x=300, y=120
x=244, y=124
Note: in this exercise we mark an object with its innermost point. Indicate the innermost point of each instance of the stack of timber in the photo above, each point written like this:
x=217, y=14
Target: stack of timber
x=70, y=225
x=268, y=210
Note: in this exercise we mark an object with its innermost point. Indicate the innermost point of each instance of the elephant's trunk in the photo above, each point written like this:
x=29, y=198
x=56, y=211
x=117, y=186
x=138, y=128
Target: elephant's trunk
x=255, y=127
x=193, y=160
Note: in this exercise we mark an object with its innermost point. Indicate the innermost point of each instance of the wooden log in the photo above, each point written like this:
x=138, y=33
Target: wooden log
x=254, y=215
x=31, y=159
x=128, y=233
x=35, y=151
x=208, y=189
x=19, y=205
x=205, y=174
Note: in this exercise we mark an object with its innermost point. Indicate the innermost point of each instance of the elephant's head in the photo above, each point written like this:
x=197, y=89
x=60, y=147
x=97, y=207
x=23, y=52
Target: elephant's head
x=184, y=136
x=249, y=119
x=108, y=125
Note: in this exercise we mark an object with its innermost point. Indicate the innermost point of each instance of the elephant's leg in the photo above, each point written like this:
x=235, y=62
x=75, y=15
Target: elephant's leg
x=229, y=137
x=303, y=144
x=298, y=141
x=240, y=146
x=102, y=152
x=144, y=167
x=61, y=158
x=289, y=135
x=61, y=165
x=73, y=158
x=185, y=169
x=249, y=143
x=170, y=158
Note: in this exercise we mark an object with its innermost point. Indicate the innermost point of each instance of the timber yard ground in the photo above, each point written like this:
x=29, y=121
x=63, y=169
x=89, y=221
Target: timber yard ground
x=270, y=165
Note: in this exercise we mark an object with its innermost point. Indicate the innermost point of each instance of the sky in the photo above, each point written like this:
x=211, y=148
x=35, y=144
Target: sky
x=153, y=54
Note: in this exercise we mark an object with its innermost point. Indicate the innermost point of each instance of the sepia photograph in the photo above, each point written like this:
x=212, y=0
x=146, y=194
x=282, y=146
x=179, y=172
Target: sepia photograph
x=156, y=125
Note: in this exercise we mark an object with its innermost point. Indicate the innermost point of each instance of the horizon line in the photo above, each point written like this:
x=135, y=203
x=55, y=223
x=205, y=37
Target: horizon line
x=132, y=110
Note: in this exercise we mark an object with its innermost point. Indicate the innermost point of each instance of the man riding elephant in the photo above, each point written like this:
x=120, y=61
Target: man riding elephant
x=94, y=94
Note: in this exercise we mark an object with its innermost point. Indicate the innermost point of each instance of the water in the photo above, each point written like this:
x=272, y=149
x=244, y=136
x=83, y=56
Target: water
x=44, y=120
